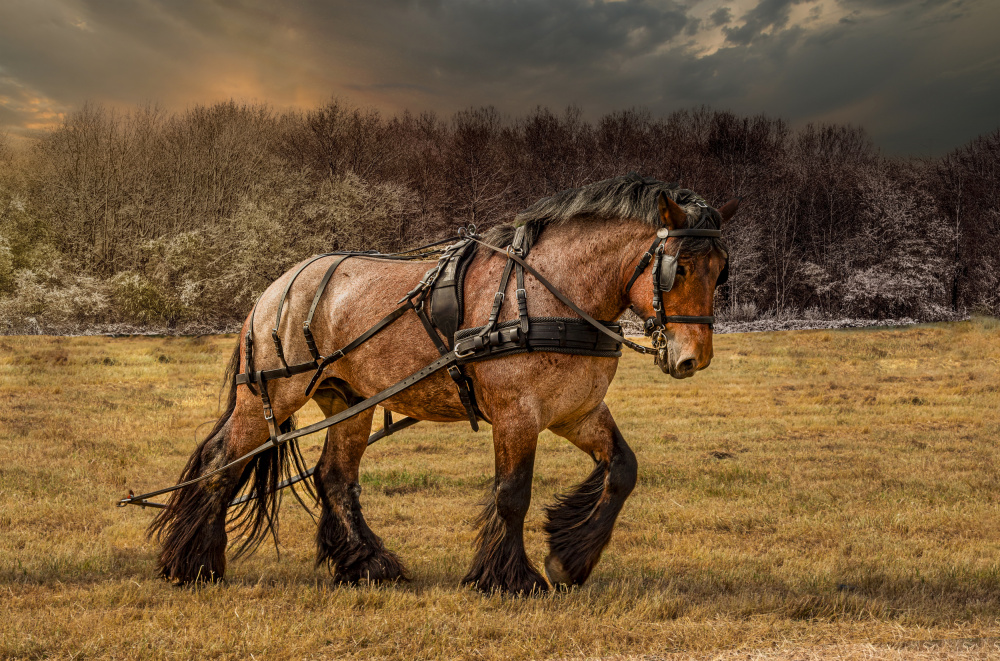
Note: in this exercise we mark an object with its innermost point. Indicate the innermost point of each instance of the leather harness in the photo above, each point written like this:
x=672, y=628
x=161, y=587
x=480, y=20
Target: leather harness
x=438, y=303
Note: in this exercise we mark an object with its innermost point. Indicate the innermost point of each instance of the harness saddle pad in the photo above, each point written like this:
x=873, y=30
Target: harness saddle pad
x=446, y=299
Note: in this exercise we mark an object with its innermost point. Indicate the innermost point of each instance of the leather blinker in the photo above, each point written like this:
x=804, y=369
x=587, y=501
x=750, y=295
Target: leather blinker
x=668, y=272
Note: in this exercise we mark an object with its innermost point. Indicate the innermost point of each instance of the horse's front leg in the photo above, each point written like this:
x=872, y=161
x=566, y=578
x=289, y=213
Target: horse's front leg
x=579, y=524
x=500, y=562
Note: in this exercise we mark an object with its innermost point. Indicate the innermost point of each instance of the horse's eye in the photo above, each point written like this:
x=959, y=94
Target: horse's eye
x=681, y=271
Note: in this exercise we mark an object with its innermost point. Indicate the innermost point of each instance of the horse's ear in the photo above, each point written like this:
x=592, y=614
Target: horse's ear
x=728, y=210
x=671, y=215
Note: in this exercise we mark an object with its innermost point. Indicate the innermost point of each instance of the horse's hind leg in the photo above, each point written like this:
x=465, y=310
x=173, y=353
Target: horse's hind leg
x=192, y=528
x=344, y=540
x=579, y=524
x=500, y=562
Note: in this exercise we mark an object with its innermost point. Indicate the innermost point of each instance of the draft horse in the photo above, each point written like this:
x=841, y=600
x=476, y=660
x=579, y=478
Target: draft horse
x=587, y=251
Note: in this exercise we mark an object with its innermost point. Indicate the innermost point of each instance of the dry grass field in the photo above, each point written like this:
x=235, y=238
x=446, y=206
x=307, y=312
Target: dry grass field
x=814, y=494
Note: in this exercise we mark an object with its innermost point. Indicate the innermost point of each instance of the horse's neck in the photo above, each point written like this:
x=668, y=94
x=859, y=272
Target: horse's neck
x=587, y=262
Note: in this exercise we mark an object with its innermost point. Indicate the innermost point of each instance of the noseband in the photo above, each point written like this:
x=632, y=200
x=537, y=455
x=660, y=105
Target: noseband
x=664, y=272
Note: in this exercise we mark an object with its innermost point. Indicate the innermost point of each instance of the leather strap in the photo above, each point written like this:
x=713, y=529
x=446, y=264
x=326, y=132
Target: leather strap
x=643, y=263
x=498, y=297
x=419, y=375
x=310, y=342
x=689, y=319
x=358, y=341
x=700, y=233
x=518, y=244
x=281, y=304
x=281, y=372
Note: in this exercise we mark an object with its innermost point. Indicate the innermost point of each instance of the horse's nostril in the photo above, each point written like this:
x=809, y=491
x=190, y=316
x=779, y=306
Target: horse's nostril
x=687, y=366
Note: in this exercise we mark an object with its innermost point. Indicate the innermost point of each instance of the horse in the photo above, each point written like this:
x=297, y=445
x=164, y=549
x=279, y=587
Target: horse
x=591, y=243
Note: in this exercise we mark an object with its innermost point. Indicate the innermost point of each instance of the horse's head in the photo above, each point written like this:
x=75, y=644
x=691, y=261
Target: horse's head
x=676, y=297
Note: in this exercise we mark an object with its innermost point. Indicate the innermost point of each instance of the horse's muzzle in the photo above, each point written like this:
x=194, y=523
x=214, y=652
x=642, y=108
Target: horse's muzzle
x=684, y=368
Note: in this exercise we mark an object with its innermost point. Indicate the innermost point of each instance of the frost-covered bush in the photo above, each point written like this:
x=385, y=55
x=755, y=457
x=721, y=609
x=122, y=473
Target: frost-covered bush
x=740, y=312
x=53, y=298
x=896, y=265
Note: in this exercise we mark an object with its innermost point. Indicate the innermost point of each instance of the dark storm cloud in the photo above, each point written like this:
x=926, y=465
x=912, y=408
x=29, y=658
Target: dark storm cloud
x=767, y=14
x=721, y=16
x=478, y=40
x=919, y=74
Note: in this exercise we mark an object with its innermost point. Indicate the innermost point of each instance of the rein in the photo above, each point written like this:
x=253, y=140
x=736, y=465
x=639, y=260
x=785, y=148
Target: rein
x=486, y=343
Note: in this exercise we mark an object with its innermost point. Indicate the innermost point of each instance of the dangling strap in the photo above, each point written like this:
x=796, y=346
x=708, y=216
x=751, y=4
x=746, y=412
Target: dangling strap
x=456, y=373
x=268, y=413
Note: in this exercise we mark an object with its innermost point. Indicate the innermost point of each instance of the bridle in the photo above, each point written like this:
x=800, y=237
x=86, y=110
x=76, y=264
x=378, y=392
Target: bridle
x=664, y=273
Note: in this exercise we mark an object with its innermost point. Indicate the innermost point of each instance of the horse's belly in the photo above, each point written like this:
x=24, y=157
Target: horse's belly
x=556, y=386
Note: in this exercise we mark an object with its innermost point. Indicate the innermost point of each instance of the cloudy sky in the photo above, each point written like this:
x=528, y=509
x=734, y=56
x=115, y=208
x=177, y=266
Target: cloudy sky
x=923, y=76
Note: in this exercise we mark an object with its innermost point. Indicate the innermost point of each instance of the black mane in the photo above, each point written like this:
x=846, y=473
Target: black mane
x=629, y=197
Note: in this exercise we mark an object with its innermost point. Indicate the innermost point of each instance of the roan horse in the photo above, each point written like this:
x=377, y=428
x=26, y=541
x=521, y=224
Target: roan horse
x=590, y=243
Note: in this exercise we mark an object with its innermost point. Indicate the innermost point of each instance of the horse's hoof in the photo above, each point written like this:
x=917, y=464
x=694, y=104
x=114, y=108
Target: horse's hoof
x=377, y=569
x=525, y=586
x=558, y=576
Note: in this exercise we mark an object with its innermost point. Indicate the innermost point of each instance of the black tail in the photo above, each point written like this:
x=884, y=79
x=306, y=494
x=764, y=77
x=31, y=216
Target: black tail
x=192, y=528
x=257, y=518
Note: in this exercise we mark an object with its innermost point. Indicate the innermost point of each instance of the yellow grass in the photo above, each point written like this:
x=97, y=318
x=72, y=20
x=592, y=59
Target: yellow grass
x=815, y=494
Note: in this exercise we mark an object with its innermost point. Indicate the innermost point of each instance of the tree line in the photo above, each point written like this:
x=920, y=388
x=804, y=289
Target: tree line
x=160, y=219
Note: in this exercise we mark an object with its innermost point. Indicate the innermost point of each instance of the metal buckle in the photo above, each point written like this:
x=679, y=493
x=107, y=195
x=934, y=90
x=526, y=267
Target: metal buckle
x=462, y=353
x=659, y=338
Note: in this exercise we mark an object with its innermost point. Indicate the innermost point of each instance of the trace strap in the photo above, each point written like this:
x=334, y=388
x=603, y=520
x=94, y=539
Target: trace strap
x=443, y=361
